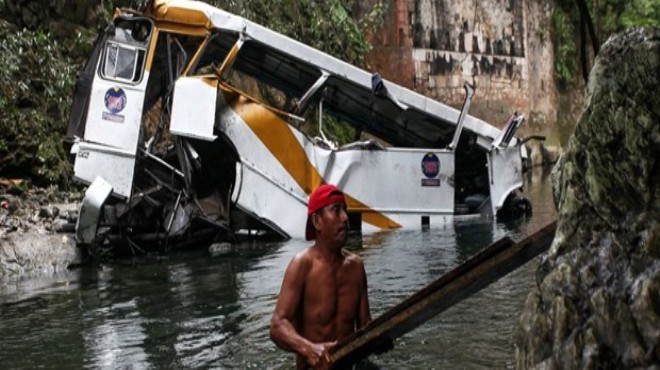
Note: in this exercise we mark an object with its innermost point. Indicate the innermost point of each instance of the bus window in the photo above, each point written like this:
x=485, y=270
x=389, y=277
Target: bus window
x=123, y=62
x=125, y=52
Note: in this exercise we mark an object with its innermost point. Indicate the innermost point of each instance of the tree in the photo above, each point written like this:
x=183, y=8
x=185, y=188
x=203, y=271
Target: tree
x=585, y=22
x=573, y=19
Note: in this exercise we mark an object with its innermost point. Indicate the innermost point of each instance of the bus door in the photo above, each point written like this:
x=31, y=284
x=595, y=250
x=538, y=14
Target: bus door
x=112, y=127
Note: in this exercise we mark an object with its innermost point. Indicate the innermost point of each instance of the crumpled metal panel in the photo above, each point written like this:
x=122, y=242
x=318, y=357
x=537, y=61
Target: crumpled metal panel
x=90, y=211
x=193, y=108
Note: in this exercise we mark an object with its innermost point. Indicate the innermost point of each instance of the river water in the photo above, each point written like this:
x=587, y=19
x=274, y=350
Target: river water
x=194, y=310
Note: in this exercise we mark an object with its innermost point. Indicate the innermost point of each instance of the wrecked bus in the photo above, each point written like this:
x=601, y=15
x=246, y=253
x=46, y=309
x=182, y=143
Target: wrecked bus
x=187, y=125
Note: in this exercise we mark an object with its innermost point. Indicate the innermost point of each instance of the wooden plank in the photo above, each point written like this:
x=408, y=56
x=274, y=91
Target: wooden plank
x=479, y=271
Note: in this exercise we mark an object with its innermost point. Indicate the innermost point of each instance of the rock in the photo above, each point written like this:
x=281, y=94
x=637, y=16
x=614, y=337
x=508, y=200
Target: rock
x=71, y=216
x=533, y=338
x=58, y=225
x=56, y=212
x=11, y=207
x=33, y=254
x=597, y=304
x=6, y=197
x=32, y=235
x=644, y=308
x=45, y=212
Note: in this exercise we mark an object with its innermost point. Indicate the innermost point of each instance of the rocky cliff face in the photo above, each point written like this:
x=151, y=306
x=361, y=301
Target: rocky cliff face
x=597, y=304
x=504, y=48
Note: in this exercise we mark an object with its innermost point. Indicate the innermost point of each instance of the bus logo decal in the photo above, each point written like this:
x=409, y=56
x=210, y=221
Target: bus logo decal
x=430, y=165
x=115, y=100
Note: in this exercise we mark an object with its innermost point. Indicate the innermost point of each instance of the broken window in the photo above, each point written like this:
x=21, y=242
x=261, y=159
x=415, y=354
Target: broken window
x=123, y=62
x=259, y=70
x=214, y=54
x=171, y=57
x=125, y=52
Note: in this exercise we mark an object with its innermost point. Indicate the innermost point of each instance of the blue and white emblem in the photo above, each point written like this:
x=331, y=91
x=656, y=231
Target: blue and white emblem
x=115, y=100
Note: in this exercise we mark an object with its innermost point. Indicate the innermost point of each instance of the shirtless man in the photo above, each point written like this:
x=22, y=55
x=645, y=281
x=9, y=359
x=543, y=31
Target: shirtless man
x=323, y=298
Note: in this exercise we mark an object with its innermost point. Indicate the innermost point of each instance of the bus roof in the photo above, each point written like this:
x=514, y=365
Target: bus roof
x=403, y=118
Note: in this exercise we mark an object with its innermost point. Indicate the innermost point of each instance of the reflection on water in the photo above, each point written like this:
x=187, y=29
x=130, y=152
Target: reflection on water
x=192, y=310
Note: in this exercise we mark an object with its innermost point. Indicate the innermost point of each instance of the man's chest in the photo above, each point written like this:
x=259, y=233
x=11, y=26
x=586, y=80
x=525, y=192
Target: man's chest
x=331, y=297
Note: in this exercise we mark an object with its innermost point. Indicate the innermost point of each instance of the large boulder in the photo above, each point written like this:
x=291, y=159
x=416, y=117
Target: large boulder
x=35, y=231
x=597, y=300
x=37, y=253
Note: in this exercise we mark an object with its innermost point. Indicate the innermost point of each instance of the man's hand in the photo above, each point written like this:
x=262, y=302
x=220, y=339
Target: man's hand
x=319, y=355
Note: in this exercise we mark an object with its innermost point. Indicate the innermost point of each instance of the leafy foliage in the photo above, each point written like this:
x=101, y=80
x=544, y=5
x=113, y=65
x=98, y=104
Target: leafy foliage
x=641, y=13
x=566, y=53
x=326, y=25
x=609, y=16
x=36, y=83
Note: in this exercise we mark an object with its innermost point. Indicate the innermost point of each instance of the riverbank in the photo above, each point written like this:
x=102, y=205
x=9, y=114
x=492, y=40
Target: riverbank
x=36, y=230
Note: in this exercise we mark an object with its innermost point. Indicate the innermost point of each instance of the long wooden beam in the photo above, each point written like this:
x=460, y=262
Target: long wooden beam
x=479, y=271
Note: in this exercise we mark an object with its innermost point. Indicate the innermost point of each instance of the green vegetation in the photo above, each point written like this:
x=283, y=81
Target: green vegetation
x=609, y=17
x=40, y=67
x=36, y=83
x=326, y=25
x=566, y=52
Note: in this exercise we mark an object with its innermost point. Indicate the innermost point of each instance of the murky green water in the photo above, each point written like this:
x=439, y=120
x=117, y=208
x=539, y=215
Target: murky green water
x=191, y=310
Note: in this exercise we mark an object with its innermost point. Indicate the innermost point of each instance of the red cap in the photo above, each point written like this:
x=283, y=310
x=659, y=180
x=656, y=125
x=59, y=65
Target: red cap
x=323, y=195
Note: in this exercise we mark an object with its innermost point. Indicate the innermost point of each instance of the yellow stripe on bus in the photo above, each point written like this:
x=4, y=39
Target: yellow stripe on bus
x=283, y=144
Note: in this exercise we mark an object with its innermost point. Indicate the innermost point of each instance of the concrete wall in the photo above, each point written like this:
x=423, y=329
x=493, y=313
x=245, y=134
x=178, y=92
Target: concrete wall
x=503, y=47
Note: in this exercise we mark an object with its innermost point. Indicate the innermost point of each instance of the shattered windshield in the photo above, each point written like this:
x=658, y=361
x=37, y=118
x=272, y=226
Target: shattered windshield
x=125, y=52
x=121, y=62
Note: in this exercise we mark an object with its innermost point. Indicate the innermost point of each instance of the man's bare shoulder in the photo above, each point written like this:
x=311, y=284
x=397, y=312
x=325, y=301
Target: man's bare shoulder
x=352, y=259
x=300, y=264
x=304, y=257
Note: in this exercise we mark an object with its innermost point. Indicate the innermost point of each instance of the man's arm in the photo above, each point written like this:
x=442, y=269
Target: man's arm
x=282, y=330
